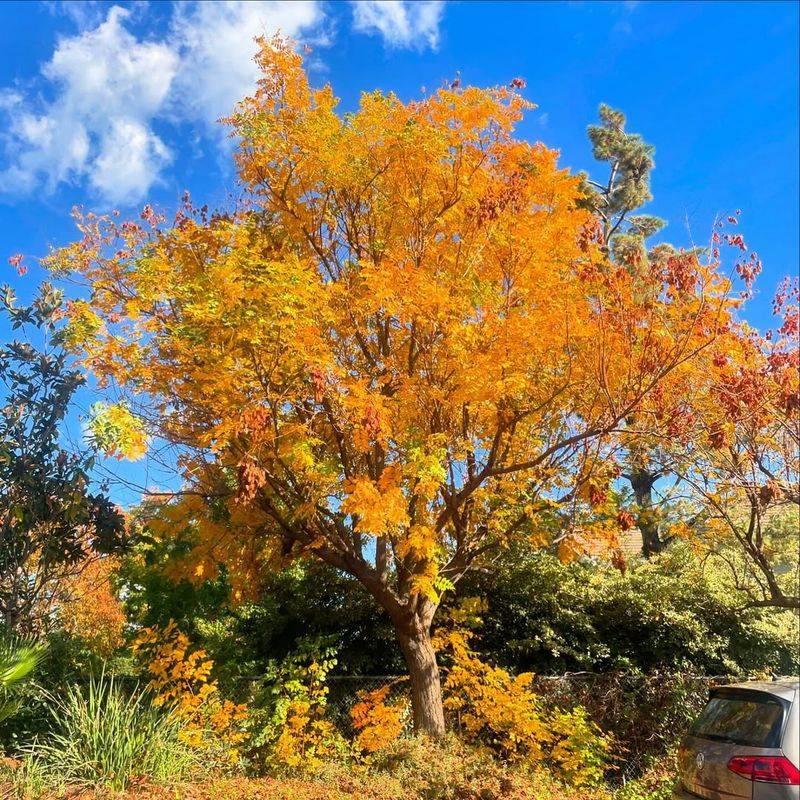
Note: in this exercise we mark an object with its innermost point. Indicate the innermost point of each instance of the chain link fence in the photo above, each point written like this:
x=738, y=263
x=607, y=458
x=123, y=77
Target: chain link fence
x=646, y=714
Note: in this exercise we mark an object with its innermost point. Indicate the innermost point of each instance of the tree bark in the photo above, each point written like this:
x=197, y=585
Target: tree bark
x=426, y=686
x=642, y=481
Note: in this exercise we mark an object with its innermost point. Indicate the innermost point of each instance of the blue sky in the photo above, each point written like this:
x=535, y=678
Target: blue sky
x=113, y=105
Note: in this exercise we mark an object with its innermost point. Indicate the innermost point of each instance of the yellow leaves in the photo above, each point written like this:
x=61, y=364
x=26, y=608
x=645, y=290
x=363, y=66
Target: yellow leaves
x=599, y=537
x=419, y=542
x=378, y=508
x=306, y=739
x=180, y=679
x=83, y=325
x=492, y=705
x=117, y=432
x=582, y=752
x=504, y=712
x=425, y=466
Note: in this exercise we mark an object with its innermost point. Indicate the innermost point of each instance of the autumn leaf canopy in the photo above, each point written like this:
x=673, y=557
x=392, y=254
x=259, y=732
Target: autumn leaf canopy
x=399, y=337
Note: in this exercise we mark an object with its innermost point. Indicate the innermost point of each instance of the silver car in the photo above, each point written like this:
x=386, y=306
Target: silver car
x=745, y=744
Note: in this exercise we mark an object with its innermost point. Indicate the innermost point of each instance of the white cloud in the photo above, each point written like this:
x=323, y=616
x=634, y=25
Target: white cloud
x=108, y=89
x=129, y=160
x=217, y=48
x=108, y=86
x=401, y=23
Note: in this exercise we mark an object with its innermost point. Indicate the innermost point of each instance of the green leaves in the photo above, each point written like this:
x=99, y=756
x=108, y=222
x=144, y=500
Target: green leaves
x=18, y=659
x=49, y=518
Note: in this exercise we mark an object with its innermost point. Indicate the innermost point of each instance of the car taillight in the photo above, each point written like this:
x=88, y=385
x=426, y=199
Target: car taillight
x=767, y=769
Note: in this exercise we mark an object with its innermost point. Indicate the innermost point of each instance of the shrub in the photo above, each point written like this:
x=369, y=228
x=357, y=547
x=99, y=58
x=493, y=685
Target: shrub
x=376, y=722
x=287, y=721
x=103, y=737
x=180, y=680
x=503, y=712
x=672, y=613
x=581, y=751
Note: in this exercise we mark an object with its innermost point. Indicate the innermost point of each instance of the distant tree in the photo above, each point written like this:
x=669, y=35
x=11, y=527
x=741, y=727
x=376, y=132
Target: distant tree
x=51, y=521
x=630, y=160
x=664, y=425
x=743, y=461
x=624, y=236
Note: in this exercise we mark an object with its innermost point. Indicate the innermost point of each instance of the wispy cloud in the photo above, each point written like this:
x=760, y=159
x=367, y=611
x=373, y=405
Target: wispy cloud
x=401, y=23
x=215, y=42
x=624, y=25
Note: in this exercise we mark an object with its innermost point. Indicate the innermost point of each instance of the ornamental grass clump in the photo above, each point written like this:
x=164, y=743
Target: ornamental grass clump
x=105, y=737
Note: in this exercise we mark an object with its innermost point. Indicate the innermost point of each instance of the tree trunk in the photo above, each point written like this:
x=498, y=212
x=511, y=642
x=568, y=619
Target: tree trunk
x=642, y=484
x=426, y=687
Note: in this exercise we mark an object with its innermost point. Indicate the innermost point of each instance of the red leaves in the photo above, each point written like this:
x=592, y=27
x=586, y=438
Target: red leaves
x=150, y=216
x=618, y=561
x=506, y=197
x=680, y=272
x=256, y=419
x=591, y=233
x=16, y=262
x=255, y=425
x=626, y=519
x=791, y=323
x=741, y=394
x=768, y=492
x=597, y=495
x=736, y=240
x=749, y=270
x=716, y=438
x=250, y=479
x=318, y=383
x=372, y=422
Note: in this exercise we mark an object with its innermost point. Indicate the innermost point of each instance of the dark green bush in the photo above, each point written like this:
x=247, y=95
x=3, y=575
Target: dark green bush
x=671, y=614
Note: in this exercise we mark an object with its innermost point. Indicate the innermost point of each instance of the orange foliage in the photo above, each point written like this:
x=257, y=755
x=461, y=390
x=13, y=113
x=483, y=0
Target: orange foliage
x=376, y=722
x=90, y=609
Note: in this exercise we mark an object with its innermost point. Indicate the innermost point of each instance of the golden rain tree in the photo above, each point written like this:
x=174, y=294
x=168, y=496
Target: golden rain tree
x=391, y=353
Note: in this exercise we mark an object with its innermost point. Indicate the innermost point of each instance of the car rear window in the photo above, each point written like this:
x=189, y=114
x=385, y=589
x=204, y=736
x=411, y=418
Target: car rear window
x=752, y=719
